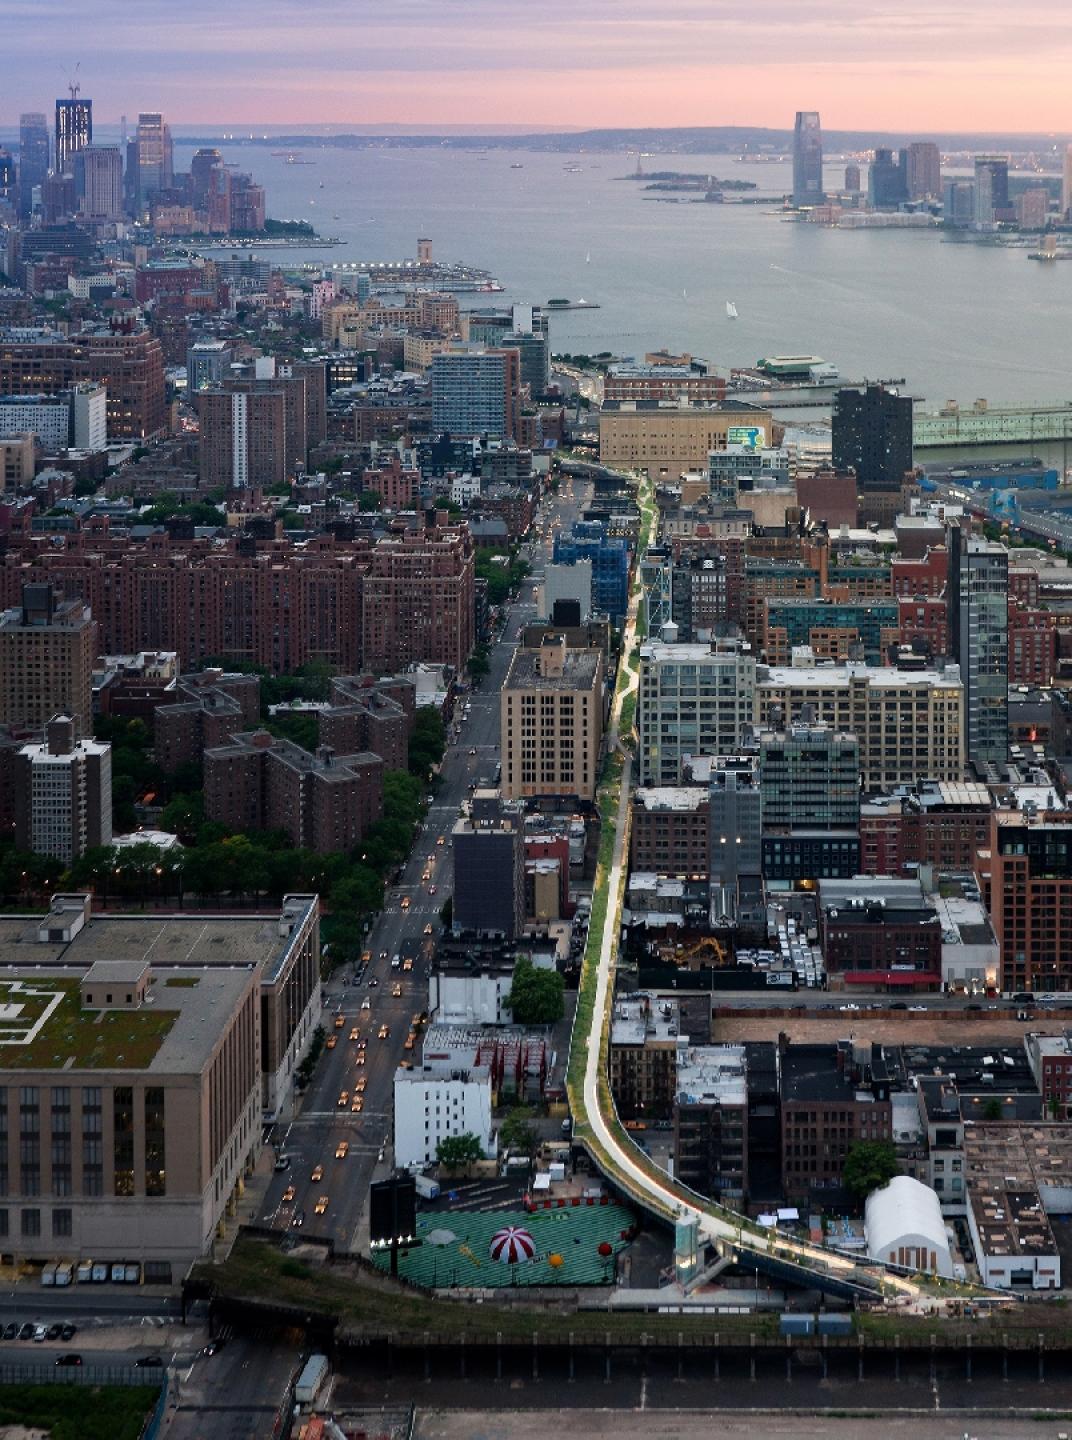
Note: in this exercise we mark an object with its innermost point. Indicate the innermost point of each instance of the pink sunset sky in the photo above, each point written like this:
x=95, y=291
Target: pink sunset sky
x=906, y=65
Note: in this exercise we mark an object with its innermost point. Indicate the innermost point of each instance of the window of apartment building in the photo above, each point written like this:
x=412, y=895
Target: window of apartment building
x=155, y=1177
x=62, y=1226
x=31, y=1223
x=123, y=1139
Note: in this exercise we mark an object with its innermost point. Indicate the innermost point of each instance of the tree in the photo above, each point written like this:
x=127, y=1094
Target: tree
x=456, y=1151
x=517, y=1133
x=992, y=1109
x=868, y=1166
x=535, y=995
x=428, y=741
x=183, y=816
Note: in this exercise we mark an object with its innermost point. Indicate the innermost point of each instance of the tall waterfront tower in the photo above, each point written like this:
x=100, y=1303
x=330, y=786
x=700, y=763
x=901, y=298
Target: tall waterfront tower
x=807, y=159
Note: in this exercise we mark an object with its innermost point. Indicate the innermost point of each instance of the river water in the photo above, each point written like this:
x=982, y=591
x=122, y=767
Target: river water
x=955, y=321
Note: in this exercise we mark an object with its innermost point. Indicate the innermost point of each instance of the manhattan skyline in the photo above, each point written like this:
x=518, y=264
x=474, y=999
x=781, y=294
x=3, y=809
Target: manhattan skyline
x=686, y=62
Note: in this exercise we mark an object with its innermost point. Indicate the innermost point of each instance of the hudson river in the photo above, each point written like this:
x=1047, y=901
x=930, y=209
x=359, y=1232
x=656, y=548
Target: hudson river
x=957, y=321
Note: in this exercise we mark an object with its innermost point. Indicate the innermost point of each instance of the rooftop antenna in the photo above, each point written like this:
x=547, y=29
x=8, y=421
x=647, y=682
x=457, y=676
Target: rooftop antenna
x=74, y=85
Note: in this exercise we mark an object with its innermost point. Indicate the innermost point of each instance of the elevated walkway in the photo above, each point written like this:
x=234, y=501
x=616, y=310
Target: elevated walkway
x=596, y=1123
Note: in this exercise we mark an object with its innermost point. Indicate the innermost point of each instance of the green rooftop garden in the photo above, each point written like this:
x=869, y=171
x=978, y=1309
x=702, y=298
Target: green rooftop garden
x=72, y=1037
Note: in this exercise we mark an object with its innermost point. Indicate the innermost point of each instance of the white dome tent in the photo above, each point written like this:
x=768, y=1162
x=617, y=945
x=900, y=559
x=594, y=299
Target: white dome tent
x=904, y=1225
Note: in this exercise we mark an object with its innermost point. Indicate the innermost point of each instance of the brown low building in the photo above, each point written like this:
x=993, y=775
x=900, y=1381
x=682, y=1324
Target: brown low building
x=833, y=1097
x=642, y=1057
x=670, y=833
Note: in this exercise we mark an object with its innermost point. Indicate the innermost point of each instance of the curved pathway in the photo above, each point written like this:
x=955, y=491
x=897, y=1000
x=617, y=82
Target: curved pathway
x=612, y=1147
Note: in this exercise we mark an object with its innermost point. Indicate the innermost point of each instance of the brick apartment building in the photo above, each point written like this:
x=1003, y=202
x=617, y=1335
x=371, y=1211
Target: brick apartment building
x=130, y=363
x=1025, y=875
x=47, y=648
x=418, y=600
x=323, y=802
x=880, y=934
x=942, y=824
x=350, y=603
x=396, y=485
x=209, y=706
x=370, y=714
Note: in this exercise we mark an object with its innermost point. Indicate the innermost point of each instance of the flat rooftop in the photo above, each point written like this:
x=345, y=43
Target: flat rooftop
x=201, y=966
x=579, y=671
x=643, y=1018
x=810, y=1073
x=837, y=677
x=671, y=797
x=712, y=1075
x=1011, y=1172
x=44, y=1027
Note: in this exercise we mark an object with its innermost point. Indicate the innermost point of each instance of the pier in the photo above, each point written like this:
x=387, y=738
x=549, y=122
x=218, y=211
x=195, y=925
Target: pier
x=984, y=426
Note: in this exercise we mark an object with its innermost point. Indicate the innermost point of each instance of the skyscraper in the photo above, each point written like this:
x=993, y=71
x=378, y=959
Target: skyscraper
x=872, y=434
x=886, y=187
x=7, y=178
x=979, y=636
x=33, y=156
x=74, y=130
x=98, y=171
x=807, y=159
x=155, y=163
x=1066, y=182
x=991, y=188
x=923, y=170
x=204, y=162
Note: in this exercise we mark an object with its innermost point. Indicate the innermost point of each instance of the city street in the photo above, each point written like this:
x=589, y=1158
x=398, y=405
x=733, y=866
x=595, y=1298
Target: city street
x=410, y=919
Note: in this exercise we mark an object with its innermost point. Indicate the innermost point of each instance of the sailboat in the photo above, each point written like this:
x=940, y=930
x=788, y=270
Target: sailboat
x=731, y=310
x=588, y=257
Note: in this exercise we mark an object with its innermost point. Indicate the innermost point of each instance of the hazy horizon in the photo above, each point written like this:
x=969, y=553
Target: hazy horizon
x=963, y=67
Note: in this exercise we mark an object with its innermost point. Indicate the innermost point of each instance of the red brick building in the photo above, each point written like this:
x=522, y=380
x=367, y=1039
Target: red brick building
x=1032, y=644
x=669, y=830
x=926, y=576
x=833, y=1097
x=208, y=708
x=366, y=714
x=923, y=624
x=882, y=829
x=129, y=362
x=397, y=487
x=323, y=802
x=1025, y=875
x=418, y=600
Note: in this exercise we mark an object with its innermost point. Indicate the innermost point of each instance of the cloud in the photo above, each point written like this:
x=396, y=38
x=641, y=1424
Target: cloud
x=958, y=62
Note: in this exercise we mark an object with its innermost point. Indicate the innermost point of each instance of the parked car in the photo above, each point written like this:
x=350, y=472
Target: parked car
x=11, y=1331
x=68, y=1329
x=27, y=1331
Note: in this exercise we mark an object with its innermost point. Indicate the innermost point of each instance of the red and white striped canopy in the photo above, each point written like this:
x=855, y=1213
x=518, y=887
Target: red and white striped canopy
x=512, y=1244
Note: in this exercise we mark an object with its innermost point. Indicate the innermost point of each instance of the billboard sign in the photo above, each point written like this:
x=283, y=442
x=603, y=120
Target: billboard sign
x=752, y=436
